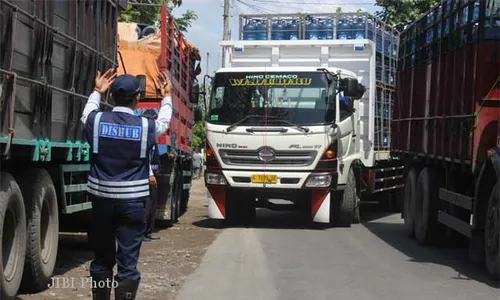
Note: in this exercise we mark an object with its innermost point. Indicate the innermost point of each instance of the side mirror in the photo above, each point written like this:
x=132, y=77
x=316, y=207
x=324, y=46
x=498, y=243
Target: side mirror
x=142, y=85
x=352, y=88
x=195, y=93
x=349, y=86
x=197, y=114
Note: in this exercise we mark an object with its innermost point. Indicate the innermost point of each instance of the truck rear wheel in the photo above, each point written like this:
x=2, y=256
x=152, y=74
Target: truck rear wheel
x=12, y=236
x=492, y=233
x=427, y=228
x=43, y=228
x=343, y=210
x=409, y=194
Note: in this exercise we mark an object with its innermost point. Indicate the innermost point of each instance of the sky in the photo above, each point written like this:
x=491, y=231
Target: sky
x=206, y=32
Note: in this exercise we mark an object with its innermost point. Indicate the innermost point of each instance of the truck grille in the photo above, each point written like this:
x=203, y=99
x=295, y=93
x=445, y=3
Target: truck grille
x=282, y=158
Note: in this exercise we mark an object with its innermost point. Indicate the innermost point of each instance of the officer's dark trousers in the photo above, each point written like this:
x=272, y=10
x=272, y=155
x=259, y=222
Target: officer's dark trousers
x=151, y=209
x=117, y=222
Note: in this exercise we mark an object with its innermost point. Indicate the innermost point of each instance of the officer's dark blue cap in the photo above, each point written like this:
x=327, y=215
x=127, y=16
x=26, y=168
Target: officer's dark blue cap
x=127, y=85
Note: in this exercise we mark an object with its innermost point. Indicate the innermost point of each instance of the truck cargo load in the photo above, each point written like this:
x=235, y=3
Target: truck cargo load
x=147, y=54
x=446, y=126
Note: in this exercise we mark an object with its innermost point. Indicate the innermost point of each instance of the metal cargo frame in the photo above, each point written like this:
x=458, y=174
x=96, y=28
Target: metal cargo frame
x=448, y=64
x=49, y=56
x=386, y=62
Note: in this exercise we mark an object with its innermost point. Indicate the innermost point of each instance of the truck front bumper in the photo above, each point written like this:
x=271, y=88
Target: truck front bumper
x=317, y=185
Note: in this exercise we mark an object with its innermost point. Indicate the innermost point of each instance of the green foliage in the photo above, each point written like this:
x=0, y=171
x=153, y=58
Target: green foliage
x=400, y=13
x=184, y=22
x=151, y=14
x=199, y=135
x=199, y=132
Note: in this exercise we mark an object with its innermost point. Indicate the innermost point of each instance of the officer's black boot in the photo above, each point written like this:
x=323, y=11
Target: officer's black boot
x=101, y=285
x=126, y=289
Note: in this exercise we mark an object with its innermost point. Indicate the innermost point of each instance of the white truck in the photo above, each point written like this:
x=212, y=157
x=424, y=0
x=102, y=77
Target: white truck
x=294, y=120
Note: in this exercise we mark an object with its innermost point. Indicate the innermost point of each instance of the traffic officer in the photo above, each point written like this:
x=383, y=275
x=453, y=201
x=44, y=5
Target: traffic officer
x=118, y=181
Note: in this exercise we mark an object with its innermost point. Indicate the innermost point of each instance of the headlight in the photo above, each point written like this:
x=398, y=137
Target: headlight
x=319, y=181
x=215, y=179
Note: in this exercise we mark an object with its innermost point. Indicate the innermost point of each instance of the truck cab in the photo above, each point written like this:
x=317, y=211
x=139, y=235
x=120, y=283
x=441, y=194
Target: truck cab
x=285, y=130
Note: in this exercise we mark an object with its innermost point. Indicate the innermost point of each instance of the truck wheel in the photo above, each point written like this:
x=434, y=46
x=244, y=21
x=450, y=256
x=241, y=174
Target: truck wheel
x=357, y=217
x=174, y=204
x=12, y=236
x=492, y=233
x=409, y=195
x=427, y=228
x=43, y=228
x=344, y=208
x=184, y=201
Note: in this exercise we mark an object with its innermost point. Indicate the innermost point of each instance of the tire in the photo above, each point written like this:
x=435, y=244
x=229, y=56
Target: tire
x=12, y=236
x=174, y=204
x=184, y=201
x=492, y=233
x=428, y=230
x=409, y=195
x=43, y=228
x=343, y=210
x=357, y=216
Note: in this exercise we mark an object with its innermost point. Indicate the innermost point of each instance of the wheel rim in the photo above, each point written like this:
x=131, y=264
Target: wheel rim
x=492, y=223
x=9, y=247
x=45, y=232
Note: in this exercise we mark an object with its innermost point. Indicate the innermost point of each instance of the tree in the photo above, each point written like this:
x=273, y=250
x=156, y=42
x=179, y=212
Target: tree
x=184, y=22
x=400, y=13
x=151, y=14
x=199, y=135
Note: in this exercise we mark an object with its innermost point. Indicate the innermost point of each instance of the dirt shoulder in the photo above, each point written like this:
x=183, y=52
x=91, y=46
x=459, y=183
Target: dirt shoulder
x=164, y=263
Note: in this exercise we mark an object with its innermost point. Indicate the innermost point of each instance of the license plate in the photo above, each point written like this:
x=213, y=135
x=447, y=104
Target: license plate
x=264, y=178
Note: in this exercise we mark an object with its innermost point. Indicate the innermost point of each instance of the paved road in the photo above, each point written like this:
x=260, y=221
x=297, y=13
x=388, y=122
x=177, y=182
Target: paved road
x=277, y=259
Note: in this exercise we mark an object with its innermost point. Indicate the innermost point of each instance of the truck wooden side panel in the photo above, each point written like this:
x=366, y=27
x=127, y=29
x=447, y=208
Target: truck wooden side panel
x=54, y=48
x=440, y=110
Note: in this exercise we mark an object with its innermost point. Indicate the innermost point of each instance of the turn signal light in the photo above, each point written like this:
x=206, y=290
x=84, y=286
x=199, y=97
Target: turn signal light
x=328, y=161
x=209, y=152
x=210, y=158
x=330, y=154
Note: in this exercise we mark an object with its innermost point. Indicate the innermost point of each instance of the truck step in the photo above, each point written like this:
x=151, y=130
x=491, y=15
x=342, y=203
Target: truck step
x=389, y=178
x=455, y=199
x=454, y=223
x=74, y=187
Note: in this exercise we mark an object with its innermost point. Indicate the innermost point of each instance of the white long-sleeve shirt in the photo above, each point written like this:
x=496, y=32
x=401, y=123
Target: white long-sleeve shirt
x=162, y=122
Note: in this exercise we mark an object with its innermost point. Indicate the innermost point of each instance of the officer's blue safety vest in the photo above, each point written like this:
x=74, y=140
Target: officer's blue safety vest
x=119, y=158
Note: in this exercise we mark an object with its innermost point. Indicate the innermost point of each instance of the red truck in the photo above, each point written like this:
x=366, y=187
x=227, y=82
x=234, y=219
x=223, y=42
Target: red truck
x=446, y=127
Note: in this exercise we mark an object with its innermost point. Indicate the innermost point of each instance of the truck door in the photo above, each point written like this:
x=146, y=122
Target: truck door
x=345, y=125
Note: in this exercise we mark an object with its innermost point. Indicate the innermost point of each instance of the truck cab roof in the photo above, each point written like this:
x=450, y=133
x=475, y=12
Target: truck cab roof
x=344, y=72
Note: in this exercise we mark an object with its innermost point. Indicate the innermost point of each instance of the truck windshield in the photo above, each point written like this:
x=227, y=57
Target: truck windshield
x=294, y=97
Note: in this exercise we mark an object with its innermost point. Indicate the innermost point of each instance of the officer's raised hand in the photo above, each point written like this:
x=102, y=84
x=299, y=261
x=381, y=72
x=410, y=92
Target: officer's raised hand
x=104, y=81
x=165, y=84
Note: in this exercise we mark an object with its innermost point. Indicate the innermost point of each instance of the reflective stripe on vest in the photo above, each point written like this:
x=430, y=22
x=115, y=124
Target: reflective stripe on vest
x=144, y=141
x=119, y=189
x=97, y=120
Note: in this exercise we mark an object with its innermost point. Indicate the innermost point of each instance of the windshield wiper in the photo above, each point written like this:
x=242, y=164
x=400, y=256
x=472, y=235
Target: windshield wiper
x=298, y=127
x=234, y=125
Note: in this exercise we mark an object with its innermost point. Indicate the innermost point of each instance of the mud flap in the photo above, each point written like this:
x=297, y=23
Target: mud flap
x=320, y=204
x=216, y=197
